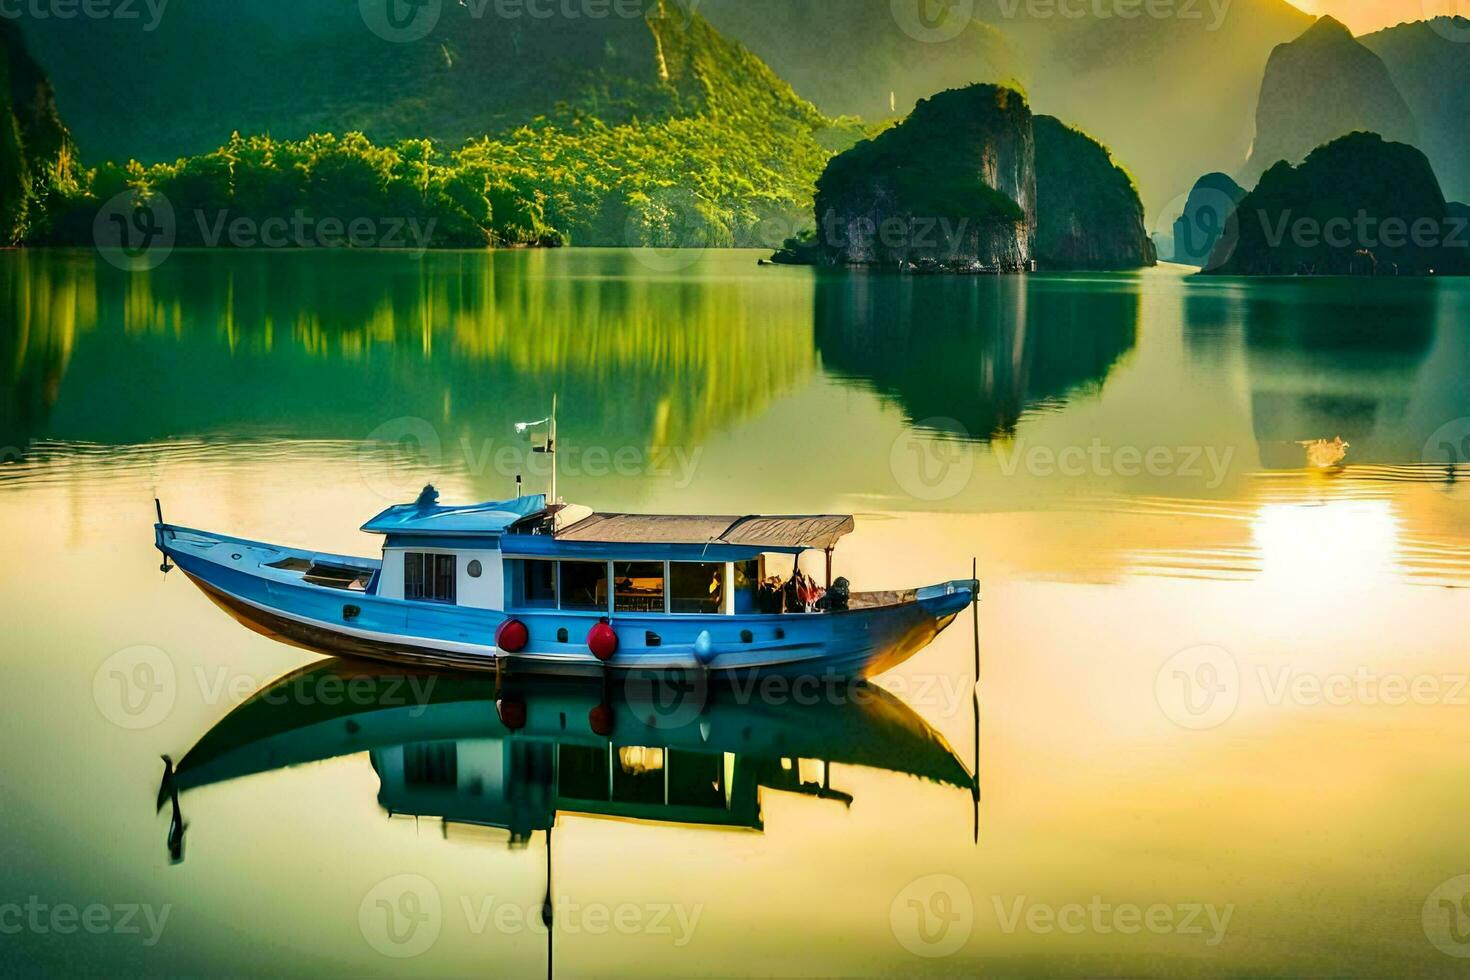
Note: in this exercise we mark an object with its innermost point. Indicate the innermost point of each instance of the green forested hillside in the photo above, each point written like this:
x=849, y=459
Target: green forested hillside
x=731, y=158
x=37, y=159
x=290, y=69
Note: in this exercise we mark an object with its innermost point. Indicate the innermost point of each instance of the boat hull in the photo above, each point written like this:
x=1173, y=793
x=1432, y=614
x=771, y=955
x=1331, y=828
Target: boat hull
x=244, y=579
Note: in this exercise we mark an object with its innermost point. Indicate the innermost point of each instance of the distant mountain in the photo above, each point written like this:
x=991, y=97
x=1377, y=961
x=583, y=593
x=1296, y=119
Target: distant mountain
x=1430, y=63
x=972, y=179
x=1210, y=204
x=952, y=185
x=1173, y=96
x=1357, y=206
x=1321, y=86
x=1088, y=215
x=854, y=57
x=211, y=67
x=36, y=151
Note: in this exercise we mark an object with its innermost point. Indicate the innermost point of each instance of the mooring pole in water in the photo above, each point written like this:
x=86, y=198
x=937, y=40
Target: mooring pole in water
x=546, y=916
x=165, y=568
x=975, y=609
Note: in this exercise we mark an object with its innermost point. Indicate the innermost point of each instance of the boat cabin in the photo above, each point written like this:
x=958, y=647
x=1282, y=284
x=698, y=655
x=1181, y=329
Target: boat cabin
x=526, y=556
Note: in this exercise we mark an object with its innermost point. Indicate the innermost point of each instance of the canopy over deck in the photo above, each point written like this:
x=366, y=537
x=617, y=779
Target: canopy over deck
x=781, y=534
x=524, y=525
x=426, y=516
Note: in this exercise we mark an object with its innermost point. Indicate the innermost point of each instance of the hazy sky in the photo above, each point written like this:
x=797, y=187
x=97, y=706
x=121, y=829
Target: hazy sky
x=1363, y=16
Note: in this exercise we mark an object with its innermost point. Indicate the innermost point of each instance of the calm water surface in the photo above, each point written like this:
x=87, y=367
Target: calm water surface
x=1222, y=701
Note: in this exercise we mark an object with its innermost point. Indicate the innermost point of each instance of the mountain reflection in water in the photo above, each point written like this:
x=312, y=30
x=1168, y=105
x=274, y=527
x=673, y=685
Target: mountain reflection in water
x=980, y=351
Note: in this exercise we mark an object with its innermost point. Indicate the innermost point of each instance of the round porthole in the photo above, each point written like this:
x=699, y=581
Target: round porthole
x=474, y=569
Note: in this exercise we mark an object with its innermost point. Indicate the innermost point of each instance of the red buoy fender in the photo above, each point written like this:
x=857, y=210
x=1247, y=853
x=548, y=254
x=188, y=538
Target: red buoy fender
x=512, y=713
x=512, y=636
x=600, y=719
x=602, y=640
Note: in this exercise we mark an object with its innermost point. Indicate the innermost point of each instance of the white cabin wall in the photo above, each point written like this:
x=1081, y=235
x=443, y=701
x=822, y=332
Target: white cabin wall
x=390, y=581
x=485, y=592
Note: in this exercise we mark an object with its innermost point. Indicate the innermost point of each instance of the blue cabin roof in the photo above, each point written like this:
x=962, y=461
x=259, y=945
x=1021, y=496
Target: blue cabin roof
x=428, y=516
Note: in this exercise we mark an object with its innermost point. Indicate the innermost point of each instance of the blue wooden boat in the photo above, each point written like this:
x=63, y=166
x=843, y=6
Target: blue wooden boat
x=559, y=588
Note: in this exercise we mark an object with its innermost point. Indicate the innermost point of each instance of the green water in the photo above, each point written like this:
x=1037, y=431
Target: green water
x=1223, y=685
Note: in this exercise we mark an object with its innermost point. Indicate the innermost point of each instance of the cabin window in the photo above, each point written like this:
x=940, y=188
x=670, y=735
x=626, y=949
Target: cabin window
x=696, y=779
x=638, y=775
x=475, y=569
x=696, y=587
x=640, y=586
x=428, y=578
x=582, y=772
x=538, y=584
x=747, y=584
x=431, y=764
x=584, y=585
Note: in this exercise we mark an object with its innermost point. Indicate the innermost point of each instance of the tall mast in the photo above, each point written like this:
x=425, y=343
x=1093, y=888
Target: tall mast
x=551, y=449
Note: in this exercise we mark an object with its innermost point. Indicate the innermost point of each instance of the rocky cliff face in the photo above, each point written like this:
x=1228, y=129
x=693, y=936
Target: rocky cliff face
x=954, y=184
x=1358, y=206
x=1211, y=202
x=1321, y=86
x=1430, y=64
x=35, y=148
x=1088, y=212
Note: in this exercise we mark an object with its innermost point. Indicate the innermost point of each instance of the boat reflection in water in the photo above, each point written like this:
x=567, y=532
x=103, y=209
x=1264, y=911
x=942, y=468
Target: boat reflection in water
x=512, y=753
